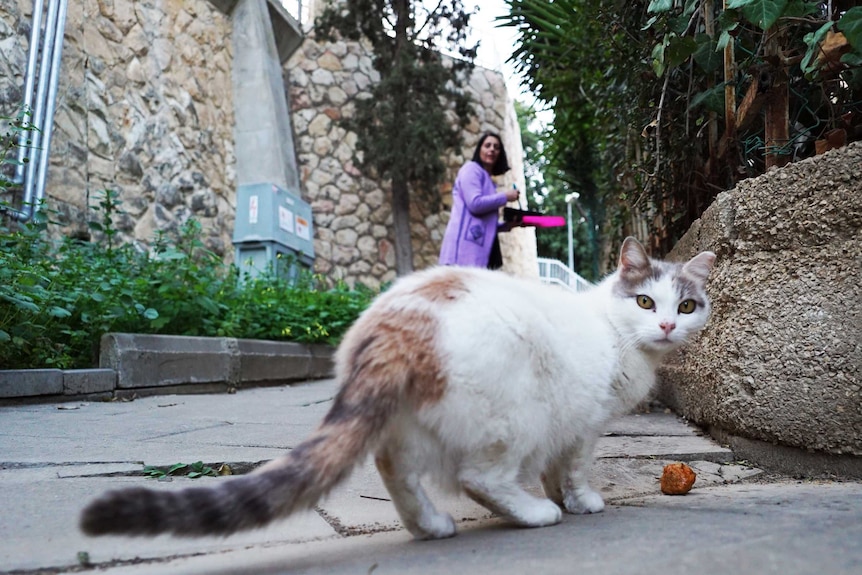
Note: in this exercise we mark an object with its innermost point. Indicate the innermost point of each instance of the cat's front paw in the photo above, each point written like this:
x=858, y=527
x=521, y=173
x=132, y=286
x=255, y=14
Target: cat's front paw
x=434, y=526
x=541, y=513
x=583, y=501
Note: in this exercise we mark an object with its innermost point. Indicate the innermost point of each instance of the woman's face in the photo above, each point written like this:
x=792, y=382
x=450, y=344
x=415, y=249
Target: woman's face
x=489, y=152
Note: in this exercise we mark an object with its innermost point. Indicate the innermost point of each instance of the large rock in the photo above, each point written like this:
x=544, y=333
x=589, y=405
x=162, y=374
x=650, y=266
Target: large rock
x=780, y=358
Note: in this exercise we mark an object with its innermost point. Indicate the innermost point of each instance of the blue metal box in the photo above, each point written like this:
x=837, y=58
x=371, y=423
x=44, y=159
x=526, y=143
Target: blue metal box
x=272, y=224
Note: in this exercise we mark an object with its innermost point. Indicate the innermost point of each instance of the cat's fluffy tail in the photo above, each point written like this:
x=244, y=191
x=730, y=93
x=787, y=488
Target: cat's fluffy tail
x=296, y=481
x=385, y=364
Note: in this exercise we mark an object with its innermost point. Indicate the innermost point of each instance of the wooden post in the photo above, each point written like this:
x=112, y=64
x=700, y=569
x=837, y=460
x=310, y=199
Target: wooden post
x=729, y=92
x=777, y=111
x=709, y=26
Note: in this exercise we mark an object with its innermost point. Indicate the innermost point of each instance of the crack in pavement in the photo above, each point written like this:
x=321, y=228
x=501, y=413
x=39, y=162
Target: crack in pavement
x=12, y=465
x=183, y=431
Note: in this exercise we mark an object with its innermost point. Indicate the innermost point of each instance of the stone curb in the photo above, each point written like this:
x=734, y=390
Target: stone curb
x=788, y=460
x=134, y=364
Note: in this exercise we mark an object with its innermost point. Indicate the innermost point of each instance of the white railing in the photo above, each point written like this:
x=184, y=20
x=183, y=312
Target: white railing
x=558, y=273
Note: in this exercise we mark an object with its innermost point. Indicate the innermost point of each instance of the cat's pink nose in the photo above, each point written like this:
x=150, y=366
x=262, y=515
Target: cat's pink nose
x=667, y=327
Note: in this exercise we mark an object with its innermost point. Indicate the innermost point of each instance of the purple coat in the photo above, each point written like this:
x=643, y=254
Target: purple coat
x=473, y=223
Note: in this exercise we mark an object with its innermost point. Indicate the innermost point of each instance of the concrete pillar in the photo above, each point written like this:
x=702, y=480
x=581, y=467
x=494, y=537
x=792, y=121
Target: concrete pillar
x=264, y=139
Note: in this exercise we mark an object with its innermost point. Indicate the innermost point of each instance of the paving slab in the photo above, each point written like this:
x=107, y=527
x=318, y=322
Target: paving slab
x=679, y=447
x=654, y=423
x=362, y=504
x=253, y=425
x=781, y=529
x=40, y=518
x=55, y=458
x=618, y=479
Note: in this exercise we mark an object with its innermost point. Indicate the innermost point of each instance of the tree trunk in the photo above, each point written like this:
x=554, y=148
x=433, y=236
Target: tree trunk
x=401, y=220
x=400, y=191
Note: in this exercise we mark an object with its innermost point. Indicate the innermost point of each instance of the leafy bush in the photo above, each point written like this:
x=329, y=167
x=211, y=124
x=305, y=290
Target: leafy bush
x=58, y=298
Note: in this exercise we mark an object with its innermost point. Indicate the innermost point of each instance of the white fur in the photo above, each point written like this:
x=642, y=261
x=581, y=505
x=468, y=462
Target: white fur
x=534, y=373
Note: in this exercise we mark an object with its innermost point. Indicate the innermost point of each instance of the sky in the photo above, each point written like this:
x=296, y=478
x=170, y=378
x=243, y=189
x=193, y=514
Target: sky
x=496, y=44
x=495, y=47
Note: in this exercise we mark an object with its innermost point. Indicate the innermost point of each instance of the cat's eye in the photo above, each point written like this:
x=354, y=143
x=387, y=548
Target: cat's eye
x=687, y=306
x=645, y=301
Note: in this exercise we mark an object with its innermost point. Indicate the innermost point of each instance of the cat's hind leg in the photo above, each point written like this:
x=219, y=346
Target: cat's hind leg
x=505, y=497
x=565, y=481
x=553, y=484
x=418, y=514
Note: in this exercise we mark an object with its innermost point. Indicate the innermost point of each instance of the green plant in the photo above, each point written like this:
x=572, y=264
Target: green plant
x=190, y=470
x=57, y=298
x=660, y=105
x=10, y=140
x=272, y=307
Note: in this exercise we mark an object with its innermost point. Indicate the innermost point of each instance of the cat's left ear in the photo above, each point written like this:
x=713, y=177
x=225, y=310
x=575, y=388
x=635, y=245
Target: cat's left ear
x=699, y=266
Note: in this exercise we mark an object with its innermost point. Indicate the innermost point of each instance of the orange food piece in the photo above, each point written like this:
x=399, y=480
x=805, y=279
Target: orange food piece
x=677, y=479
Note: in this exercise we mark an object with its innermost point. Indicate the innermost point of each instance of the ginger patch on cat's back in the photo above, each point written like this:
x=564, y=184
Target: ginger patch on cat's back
x=447, y=286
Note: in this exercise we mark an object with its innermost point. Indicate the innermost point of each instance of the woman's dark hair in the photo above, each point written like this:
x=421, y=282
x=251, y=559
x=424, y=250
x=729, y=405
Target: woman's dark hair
x=501, y=166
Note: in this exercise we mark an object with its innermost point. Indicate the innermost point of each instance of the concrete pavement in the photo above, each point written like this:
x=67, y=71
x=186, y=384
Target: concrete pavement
x=54, y=458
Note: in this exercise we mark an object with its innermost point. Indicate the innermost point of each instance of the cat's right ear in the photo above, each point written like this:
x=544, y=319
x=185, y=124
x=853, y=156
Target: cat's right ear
x=634, y=261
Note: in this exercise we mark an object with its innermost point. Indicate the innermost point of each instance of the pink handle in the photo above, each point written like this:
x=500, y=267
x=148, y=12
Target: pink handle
x=544, y=221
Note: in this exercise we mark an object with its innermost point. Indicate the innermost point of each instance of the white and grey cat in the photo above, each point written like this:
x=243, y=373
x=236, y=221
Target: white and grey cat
x=472, y=377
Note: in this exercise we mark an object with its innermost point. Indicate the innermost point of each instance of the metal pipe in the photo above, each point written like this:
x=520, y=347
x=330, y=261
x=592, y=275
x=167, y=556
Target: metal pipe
x=38, y=111
x=571, y=247
x=28, y=203
x=51, y=103
x=29, y=81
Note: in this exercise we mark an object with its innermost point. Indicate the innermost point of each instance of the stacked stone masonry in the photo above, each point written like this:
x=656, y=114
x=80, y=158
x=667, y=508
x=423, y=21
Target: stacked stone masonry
x=145, y=107
x=351, y=211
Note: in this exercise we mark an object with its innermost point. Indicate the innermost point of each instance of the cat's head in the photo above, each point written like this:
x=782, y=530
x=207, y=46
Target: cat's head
x=659, y=305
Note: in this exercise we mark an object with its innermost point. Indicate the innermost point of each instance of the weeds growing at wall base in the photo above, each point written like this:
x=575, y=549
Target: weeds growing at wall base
x=57, y=298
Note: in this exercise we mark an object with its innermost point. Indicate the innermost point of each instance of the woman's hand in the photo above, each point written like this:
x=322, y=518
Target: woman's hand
x=513, y=195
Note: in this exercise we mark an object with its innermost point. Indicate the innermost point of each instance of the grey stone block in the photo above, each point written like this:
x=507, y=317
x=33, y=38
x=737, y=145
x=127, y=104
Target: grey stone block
x=322, y=364
x=679, y=448
x=781, y=358
x=792, y=460
x=84, y=381
x=30, y=382
x=163, y=360
x=271, y=362
x=651, y=424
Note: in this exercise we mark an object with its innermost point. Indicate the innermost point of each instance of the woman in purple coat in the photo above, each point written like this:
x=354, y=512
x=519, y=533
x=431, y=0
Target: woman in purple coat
x=472, y=230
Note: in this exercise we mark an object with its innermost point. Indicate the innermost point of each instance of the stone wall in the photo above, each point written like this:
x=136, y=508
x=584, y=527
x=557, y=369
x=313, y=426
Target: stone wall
x=144, y=107
x=781, y=358
x=352, y=214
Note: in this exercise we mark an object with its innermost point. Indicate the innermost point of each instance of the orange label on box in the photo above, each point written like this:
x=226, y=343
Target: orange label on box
x=302, y=229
